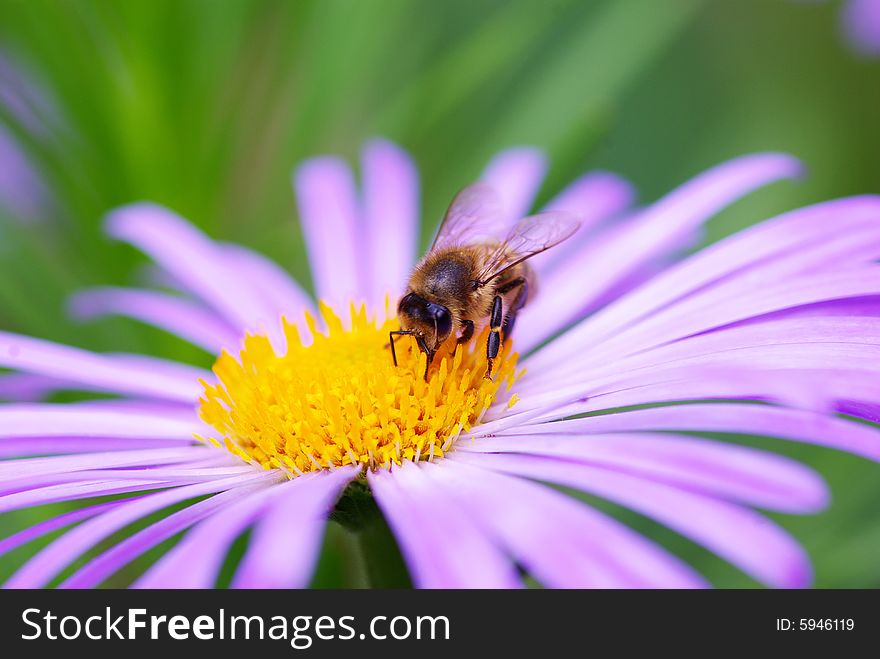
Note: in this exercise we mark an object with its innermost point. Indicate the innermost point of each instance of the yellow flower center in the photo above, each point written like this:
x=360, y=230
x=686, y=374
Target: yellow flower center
x=342, y=401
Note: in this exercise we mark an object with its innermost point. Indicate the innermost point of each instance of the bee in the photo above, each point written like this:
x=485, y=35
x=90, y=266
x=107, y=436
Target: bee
x=475, y=273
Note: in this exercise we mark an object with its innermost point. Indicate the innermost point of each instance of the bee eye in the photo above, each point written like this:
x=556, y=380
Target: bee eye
x=443, y=320
x=407, y=304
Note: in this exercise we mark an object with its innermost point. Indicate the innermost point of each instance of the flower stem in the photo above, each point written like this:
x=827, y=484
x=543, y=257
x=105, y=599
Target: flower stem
x=373, y=544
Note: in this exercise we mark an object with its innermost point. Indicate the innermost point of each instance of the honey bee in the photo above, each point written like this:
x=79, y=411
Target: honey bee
x=474, y=274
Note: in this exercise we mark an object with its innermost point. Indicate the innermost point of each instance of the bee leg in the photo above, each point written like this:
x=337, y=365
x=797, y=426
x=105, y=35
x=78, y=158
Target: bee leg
x=493, y=343
x=390, y=343
x=429, y=354
x=466, y=335
x=518, y=303
x=428, y=360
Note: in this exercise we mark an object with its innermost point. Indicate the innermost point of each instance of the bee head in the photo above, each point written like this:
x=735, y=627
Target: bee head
x=431, y=323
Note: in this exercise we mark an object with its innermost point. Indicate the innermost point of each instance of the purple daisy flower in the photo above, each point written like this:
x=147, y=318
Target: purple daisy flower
x=860, y=22
x=23, y=193
x=630, y=351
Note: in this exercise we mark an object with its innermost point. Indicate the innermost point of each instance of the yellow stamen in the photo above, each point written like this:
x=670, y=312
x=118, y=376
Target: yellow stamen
x=341, y=400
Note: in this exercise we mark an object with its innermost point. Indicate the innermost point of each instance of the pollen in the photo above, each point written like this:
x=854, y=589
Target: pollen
x=340, y=400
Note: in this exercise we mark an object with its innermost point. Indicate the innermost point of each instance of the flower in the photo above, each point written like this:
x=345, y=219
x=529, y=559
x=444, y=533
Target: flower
x=628, y=353
x=860, y=22
x=23, y=194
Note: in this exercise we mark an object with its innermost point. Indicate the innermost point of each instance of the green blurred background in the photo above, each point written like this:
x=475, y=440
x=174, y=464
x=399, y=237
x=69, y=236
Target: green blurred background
x=206, y=105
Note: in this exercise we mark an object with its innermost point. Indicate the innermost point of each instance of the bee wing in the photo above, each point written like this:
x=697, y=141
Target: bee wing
x=531, y=235
x=475, y=216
